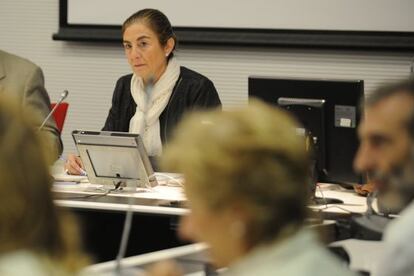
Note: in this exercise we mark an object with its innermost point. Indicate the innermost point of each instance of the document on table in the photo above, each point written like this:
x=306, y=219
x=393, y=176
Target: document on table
x=64, y=177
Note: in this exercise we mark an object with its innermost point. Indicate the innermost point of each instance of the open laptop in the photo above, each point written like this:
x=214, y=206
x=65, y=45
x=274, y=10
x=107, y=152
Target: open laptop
x=117, y=160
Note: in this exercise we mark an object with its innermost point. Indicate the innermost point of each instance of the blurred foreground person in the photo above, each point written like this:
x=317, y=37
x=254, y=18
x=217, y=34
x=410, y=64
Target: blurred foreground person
x=35, y=237
x=386, y=154
x=246, y=175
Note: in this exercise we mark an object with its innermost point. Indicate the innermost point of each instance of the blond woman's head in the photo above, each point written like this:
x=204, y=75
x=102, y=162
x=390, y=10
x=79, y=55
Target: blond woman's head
x=248, y=162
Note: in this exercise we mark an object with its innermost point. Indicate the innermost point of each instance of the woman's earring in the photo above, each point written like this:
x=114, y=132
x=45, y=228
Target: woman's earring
x=167, y=54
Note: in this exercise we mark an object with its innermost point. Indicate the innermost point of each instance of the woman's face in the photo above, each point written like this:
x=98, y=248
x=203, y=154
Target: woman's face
x=145, y=54
x=213, y=227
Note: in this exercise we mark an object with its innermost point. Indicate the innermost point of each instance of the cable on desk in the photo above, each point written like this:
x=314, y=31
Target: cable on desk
x=318, y=187
x=335, y=206
x=174, y=179
x=326, y=203
x=91, y=195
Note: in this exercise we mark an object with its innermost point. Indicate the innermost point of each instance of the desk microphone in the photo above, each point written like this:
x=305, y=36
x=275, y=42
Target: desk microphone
x=62, y=97
x=119, y=271
x=370, y=200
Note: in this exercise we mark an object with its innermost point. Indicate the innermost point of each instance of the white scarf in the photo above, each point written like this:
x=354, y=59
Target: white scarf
x=149, y=107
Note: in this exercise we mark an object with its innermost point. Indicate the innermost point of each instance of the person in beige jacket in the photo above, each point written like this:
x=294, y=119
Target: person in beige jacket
x=22, y=81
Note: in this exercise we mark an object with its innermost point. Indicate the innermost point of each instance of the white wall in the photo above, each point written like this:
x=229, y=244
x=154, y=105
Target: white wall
x=262, y=14
x=89, y=70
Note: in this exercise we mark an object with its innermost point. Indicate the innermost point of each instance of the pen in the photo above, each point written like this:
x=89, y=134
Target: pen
x=83, y=172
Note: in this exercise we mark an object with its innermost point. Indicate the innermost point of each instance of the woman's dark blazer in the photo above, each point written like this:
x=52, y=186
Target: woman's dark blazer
x=192, y=91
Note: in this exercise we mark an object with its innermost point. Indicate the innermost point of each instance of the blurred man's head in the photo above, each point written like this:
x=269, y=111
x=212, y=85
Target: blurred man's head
x=386, y=150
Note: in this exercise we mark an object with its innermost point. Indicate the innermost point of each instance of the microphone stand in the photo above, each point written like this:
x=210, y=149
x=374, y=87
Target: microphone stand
x=311, y=146
x=118, y=270
x=62, y=97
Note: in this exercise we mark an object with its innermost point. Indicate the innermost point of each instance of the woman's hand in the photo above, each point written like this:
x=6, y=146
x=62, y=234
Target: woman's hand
x=165, y=268
x=74, y=165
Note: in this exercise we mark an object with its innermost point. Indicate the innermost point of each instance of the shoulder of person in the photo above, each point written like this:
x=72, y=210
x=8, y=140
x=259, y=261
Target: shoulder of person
x=191, y=75
x=12, y=61
x=400, y=229
x=123, y=84
x=125, y=79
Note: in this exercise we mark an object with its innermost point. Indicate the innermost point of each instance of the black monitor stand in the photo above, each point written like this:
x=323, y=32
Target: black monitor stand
x=315, y=200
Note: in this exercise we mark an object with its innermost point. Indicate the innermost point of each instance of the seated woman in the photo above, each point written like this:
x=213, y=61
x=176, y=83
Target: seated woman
x=153, y=99
x=245, y=180
x=35, y=237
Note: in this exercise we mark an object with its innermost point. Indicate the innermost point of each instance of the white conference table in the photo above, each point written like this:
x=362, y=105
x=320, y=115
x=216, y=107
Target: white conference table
x=192, y=258
x=77, y=192
x=170, y=200
x=352, y=202
x=157, y=201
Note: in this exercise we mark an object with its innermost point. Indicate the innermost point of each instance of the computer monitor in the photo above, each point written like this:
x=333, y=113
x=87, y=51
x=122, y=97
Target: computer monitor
x=116, y=160
x=329, y=113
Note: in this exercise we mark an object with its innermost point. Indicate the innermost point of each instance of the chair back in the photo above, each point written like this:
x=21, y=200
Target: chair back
x=60, y=114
